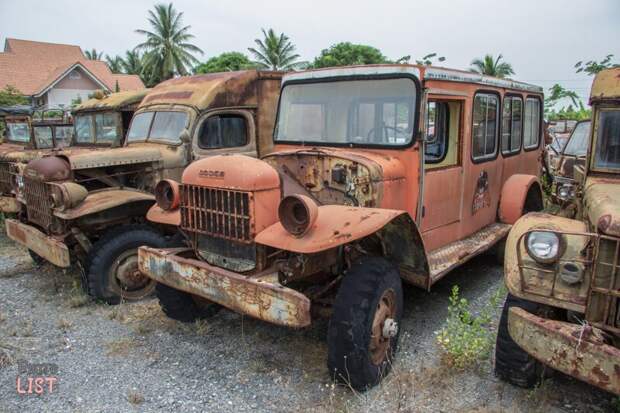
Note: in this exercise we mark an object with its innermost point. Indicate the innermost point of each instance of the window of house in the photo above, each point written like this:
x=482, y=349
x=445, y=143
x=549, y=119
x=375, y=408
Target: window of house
x=75, y=75
x=531, y=125
x=512, y=124
x=484, y=128
x=223, y=131
x=437, y=115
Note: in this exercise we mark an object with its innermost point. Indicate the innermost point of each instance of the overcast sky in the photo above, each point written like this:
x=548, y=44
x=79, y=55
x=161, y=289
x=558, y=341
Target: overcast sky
x=542, y=39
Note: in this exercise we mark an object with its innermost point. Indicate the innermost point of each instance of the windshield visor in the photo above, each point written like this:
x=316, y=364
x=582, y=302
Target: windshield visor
x=379, y=112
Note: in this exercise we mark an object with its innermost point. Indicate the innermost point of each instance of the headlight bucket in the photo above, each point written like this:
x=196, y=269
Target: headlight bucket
x=545, y=246
x=67, y=195
x=168, y=194
x=297, y=213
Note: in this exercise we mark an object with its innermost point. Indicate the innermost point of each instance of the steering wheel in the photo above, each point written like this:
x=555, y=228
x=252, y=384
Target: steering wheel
x=386, y=128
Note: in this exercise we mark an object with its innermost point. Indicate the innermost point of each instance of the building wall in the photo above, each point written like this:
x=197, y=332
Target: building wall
x=57, y=97
x=77, y=79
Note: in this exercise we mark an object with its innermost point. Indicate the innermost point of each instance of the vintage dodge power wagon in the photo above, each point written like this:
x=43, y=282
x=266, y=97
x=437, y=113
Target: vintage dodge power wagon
x=100, y=122
x=380, y=174
x=563, y=306
x=90, y=206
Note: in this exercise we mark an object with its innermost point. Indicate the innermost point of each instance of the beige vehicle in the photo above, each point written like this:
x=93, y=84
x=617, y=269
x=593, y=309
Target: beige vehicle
x=563, y=307
x=101, y=122
x=90, y=206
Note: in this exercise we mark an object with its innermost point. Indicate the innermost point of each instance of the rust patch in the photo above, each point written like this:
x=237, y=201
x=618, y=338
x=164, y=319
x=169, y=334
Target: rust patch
x=168, y=96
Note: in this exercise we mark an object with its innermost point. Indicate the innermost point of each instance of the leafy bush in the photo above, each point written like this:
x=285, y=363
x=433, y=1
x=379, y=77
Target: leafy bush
x=467, y=338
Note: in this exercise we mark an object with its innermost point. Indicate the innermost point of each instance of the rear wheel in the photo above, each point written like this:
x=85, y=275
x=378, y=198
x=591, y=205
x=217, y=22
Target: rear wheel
x=365, y=324
x=182, y=306
x=512, y=363
x=113, y=272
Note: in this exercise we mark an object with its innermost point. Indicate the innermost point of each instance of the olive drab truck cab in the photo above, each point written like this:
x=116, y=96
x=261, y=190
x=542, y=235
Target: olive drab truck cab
x=379, y=174
x=90, y=206
x=563, y=278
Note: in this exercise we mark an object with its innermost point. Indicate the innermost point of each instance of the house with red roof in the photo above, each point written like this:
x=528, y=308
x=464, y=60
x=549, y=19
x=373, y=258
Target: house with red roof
x=53, y=75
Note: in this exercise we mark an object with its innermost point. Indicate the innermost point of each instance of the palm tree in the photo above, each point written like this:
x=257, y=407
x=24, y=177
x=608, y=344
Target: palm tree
x=114, y=63
x=132, y=63
x=92, y=54
x=167, y=51
x=275, y=52
x=492, y=67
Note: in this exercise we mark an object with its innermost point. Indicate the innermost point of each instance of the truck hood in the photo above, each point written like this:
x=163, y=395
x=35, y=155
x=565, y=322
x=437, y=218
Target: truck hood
x=26, y=155
x=602, y=204
x=82, y=158
x=7, y=147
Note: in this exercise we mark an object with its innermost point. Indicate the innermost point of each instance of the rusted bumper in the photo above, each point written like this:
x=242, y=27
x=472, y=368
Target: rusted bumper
x=8, y=204
x=255, y=297
x=49, y=248
x=565, y=347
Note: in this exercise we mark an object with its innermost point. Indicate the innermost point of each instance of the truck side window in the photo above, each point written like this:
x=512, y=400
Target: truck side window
x=484, y=128
x=223, y=131
x=512, y=118
x=437, y=116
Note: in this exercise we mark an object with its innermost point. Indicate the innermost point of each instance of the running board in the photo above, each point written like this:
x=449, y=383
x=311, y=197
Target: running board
x=446, y=258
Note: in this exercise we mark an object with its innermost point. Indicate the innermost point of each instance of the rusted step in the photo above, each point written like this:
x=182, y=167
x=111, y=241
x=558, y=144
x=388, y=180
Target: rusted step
x=444, y=259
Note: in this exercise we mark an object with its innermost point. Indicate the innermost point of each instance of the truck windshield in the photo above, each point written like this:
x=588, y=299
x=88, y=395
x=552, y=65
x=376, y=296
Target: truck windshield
x=64, y=136
x=100, y=128
x=607, y=152
x=157, y=126
x=43, y=137
x=18, y=132
x=580, y=138
x=357, y=112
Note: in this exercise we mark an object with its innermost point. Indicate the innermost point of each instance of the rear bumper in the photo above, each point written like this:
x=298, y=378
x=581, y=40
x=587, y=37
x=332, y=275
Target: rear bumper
x=259, y=298
x=564, y=347
x=47, y=247
x=9, y=204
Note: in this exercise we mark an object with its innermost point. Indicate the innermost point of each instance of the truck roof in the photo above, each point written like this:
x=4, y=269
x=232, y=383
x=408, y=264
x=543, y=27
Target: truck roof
x=226, y=89
x=421, y=72
x=606, y=85
x=113, y=101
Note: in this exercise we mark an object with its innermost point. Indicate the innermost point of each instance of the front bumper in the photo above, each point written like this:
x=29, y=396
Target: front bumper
x=47, y=247
x=9, y=204
x=565, y=347
x=257, y=297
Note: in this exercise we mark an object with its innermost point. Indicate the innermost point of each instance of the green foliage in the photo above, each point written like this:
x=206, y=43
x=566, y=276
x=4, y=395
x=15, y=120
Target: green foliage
x=592, y=67
x=132, y=63
x=167, y=48
x=347, y=54
x=467, y=338
x=92, y=54
x=226, y=62
x=275, y=52
x=491, y=66
x=570, y=113
x=429, y=59
x=10, y=96
x=115, y=63
x=76, y=102
x=557, y=93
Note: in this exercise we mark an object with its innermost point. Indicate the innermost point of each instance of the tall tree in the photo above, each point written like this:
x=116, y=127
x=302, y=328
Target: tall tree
x=225, y=62
x=592, y=67
x=132, y=63
x=492, y=66
x=10, y=96
x=347, y=54
x=115, y=63
x=275, y=52
x=167, y=48
x=92, y=54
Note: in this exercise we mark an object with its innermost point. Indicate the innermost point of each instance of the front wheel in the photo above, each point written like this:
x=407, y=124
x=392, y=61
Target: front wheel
x=365, y=324
x=113, y=264
x=182, y=306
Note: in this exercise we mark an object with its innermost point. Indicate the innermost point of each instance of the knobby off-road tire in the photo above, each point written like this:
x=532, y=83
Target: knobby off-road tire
x=370, y=286
x=182, y=306
x=512, y=363
x=114, y=255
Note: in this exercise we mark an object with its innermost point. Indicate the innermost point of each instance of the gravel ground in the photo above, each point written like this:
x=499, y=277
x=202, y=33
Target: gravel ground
x=132, y=358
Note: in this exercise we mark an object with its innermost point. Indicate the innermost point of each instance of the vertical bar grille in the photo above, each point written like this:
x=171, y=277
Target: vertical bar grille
x=604, y=302
x=38, y=202
x=5, y=177
x=216, y=212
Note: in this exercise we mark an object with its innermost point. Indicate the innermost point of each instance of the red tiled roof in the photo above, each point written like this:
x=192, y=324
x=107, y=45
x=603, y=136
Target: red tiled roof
x=32, y=67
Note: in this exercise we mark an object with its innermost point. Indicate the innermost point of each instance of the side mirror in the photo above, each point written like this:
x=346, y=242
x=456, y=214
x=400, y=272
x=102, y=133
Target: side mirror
x=184, y=137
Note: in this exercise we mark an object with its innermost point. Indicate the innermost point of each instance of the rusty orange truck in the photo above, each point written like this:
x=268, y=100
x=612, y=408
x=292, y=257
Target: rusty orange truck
x=380, y=174
x=89, y=206
x=563, y=278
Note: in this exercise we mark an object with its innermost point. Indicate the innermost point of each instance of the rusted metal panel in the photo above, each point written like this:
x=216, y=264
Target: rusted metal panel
x=134, y=154
x=601, y=205
x=513, y=196
x=104, y=199
x=159, y=216
x=49, y=248
x=113, y=101
x=572, y=349
x=259, y=298
x=606, y=85
x=9, y=204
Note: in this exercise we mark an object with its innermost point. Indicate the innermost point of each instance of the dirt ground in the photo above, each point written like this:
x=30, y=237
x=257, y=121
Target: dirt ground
x=132, y=358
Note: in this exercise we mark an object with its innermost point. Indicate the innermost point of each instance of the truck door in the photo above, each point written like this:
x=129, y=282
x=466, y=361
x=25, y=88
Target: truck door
x=225, y=131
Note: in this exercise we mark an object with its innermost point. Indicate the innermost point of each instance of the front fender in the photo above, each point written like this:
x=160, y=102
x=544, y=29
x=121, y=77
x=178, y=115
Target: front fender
x=159, y=216
x=533, y=281
x=104, y=199
x=514, y=195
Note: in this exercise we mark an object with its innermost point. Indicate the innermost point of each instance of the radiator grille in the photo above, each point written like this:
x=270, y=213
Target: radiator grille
x=5, y=177
x=604, y=302
x=216, y=212
x=38, y=203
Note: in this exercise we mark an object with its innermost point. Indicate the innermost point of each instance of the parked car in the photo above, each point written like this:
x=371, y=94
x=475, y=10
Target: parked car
x=90, y=206
x=563, y=306
x=381, y=174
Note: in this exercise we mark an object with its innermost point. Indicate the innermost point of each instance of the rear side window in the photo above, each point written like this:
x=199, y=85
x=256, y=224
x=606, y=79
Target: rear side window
x=83, y=130
x=223, y=131
x=512, y=124
x=531, y=126
x=64, y=136
x=484, y=128
x=437, y=116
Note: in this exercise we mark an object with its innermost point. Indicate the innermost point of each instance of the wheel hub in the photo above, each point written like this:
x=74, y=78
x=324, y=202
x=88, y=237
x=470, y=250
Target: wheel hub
x=390, y=328
x=384, y=327
x=129, y=275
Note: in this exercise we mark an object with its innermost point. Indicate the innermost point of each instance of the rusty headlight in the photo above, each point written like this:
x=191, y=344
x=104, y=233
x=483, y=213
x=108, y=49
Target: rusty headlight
x=297, y=213
x=545, y=247
x=167, y=194
x=67, y=195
